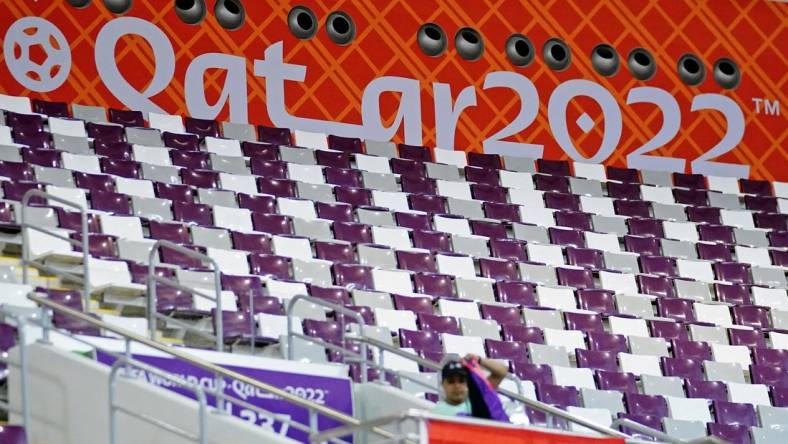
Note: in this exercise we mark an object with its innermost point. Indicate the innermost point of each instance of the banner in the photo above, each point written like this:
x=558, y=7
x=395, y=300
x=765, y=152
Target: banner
x=446, y=432
x=676, y=116
x=332, y=392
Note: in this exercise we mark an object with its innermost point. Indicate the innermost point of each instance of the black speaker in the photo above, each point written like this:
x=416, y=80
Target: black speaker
x=340, y=28
x=556, y=54
x=302, y=22
x=190, y=12
x=641, y=64
x=519, y=50
x=79, y=3
x=691, y=70
x=432, y=39
x=230, y=14
x=469, y=44
x=605, y=60
x=727, y=73
x=118, y=6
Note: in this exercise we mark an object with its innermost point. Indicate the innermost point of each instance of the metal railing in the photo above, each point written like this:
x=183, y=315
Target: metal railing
x=153, y=279
x=362, y=356
x=420, y=431
x=83, y=243
x=314, y=410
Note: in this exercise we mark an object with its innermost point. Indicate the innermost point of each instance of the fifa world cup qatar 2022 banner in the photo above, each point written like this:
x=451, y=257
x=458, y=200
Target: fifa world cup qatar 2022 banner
x=693, y=86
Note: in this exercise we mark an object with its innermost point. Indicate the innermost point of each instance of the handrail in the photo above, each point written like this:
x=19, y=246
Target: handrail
x=336, y=307
x=538, y=405
x=312, y=407
x=153, y=279
x=83, y=243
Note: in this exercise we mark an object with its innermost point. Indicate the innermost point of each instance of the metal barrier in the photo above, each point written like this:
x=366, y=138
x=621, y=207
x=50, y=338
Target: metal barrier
x=153, y=279
x=343, y=349
x=84, y=243
x=314, y=410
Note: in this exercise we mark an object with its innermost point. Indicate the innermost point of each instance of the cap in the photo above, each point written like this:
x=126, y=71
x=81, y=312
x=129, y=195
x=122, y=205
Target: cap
x=454, y=368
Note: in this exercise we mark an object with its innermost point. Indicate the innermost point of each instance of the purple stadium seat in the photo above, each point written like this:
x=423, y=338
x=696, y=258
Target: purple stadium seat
x=771, y=221
x=110, y=202
x=414, y=152
x=632, y=208
x=199, y=214
x=645, y=227
x=333, y=159
x=602, y=341
x=554, y=167
x=416, y=261
x=521, y=333
x=558, y=184
x=732, y=293
x=502, y=314
x=761, y=203
x=668, y=329
x=574, y=277
x=236, y=326
x=484, y=160
x=560, y=236
x=434, y=284
x=779, y=396
x=510, y=249
x=713, y=390
x=597, y=360
x=345, y=144
x=262, y=151
x=99, y=245
x=735, y=413
x=242, y=285
x=329, y=331
x=113, y=150
x=366, y=314
x=499, y=269
x=353, y=196
x=435, y=241
x=759, y=187
x=537, y=373
x=501, y=211
x=123, y=168
x=16, y=190
x=646, y=404
x=16, y=171
x=682, y=367
x=126, y=118
x=269, y=265
x=33, y=139
x=622, y=382
x=691, y=181
x=272, y=223
x=630, y=175
x=344, y=177
x=336, y=252
x=573, y=219
x=734, y=272
x=202, y=127
x=72, y=220
x=139, y=272
x=180, y=141
x=273, y=135
x=493, y=230
x=359, y=276
x=558, y=395
x=94, y=182
x=562, y=202
x=416, y=304
x=28, y=123
x=747, y=338
x=516, y=292
x=651, y=421
x=420, y=340
x=427, y=203
x=779, y=258
x=274, y=169
x=261, y=304
x=678, y=309
x=194, y=160
x=200, y=178
x=51, y=109
x=476, y=174
x=774, y=376
x=11, y=434
x=584, y=257
x=414, y=221
x=707, y=215
x=714, y=252
x=173, y=192
x=690, y=197
x=511, y=350
x=752, y=315
x=588, y=322
x=418, y=185
x=438, y=324
x=353, y=232
x=623, y=191
x=692, y=350
x=648, y=246
x=338, y=212
x=407, y=167
x=105, y=132
x=658, y=265
x=258, y=203
x=42, y=157
x=730, y=433
x=170, y=256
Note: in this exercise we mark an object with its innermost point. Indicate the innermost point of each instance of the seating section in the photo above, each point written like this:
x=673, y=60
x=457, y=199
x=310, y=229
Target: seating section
x=656, y=297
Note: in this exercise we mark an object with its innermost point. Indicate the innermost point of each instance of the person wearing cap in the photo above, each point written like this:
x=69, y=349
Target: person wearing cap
x=455, y=376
